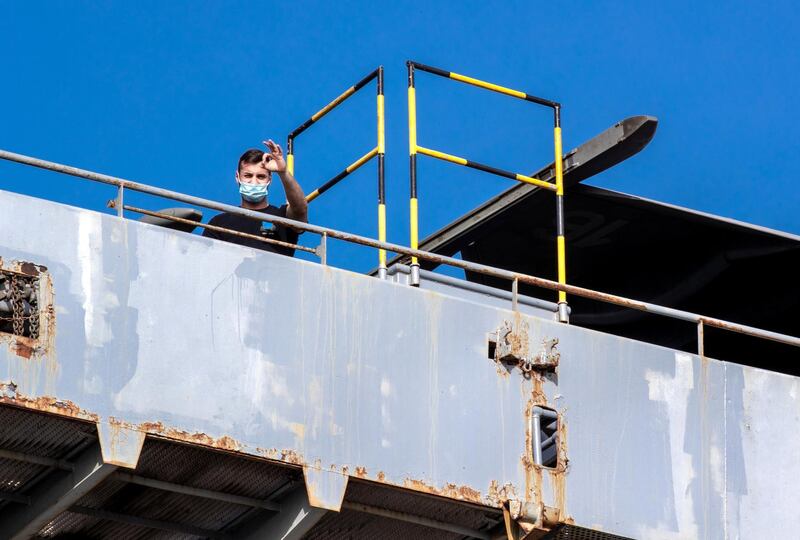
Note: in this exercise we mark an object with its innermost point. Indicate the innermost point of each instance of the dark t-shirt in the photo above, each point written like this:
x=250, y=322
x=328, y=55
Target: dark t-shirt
x=251, y=226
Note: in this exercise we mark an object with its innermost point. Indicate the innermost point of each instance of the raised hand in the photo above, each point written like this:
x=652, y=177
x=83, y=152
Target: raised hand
x=273, y=158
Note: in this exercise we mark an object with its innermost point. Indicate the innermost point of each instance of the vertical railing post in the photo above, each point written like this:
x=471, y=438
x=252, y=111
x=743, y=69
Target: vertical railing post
x=120, y=202
x=412, y=156
x=290, y=155
x=701, y=338
x=381, y=181
x=515, y=295
x=323, y=249
x=563, y=315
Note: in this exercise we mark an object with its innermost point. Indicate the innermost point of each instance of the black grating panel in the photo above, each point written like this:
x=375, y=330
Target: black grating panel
x=350, y=525
x=35, y=434
x=184, y=465
x=41, y=434
x=90, y=528
x=421, y=504
x=572, y=532
x=81, y=527
x=14, y=475
x=209, y=469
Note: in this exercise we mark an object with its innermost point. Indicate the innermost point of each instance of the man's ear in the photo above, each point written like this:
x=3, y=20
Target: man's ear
x=237, y=177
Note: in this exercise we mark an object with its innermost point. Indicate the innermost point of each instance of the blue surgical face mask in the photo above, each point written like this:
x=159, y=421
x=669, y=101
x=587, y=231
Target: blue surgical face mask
x=253, y=193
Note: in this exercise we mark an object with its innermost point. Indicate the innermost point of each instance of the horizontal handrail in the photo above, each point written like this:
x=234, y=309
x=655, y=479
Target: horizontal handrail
x=219, y=229
x=395, y=248
x=486, y=85
x=486, y=168
x=342, y=175
x=333, y=104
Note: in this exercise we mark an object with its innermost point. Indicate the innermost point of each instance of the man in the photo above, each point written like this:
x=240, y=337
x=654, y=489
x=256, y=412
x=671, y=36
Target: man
x=254, y=175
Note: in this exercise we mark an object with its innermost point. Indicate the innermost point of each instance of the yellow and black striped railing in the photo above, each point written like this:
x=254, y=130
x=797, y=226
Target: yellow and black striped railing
x=557, y=187
x=379, y=151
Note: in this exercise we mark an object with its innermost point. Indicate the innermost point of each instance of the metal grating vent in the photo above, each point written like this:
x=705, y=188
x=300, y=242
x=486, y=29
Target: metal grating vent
x=571, y=532
x=19, y=304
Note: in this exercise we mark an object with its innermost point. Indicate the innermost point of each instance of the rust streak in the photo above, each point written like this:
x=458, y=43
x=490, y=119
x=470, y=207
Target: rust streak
x=452, y=491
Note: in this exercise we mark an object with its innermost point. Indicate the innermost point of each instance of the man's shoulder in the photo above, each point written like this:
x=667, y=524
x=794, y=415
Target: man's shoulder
x=220, y=217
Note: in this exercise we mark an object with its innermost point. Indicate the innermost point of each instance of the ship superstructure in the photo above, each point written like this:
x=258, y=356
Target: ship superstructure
x=158, y=384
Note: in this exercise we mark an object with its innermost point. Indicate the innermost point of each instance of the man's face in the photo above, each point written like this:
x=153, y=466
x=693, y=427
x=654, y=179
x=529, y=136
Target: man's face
x=253, y=173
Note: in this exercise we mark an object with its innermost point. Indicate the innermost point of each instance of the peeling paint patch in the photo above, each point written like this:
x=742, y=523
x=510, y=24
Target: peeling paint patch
x=673, y=392
x=386, y=387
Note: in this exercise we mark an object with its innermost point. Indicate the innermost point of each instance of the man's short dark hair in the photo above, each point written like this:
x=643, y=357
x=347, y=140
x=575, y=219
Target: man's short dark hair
x=251, y=157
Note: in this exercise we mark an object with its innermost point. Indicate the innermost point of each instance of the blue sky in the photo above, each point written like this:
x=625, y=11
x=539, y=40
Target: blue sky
x=170, y=93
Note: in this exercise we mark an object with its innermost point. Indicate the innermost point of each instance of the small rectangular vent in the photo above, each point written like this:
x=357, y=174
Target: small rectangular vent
x=545, y=439
x=19, y=304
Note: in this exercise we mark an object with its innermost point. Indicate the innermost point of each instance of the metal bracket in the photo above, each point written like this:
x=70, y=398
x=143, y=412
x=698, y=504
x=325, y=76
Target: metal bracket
x=528, y=520
x=120, y=445
x=512, y=349
x=325, y=488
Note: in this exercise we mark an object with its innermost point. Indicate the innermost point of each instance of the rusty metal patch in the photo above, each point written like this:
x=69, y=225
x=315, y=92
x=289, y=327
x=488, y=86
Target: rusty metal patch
x=28, y=331
x=509, y=347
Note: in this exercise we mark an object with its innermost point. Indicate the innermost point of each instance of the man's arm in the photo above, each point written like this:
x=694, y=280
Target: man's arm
x=298, y=207
x=273, y=161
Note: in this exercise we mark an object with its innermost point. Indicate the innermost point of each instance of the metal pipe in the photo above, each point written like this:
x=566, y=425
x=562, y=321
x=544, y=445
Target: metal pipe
x=415, y=253
x=427, y=275
x=483, y=84
x=561, y=246
x=222, y=229
x=515, y=295
x=342, y=175
x=548, y=442
x=381, y=179
x=196, y=492
x=547, y=413
x=486, y=168
x=417, y=520
x=536, y=432
x=323, y=249
x=120, y=201
x=701, y=338
x=333, y=104
x=412, y=174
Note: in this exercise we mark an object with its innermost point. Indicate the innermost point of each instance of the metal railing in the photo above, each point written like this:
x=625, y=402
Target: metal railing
x=379, y=151
x=514, y=277
x=558, y=187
